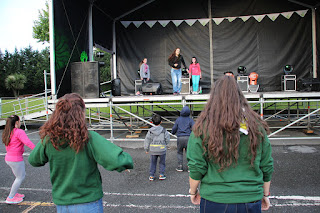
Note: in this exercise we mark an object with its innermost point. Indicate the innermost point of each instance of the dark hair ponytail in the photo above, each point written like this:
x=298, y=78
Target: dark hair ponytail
x=10, y=124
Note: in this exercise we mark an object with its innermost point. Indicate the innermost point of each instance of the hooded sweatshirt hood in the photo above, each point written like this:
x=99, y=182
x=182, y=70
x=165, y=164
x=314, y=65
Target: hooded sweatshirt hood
x=183, y=125
x=185, y=112
x=156, y=130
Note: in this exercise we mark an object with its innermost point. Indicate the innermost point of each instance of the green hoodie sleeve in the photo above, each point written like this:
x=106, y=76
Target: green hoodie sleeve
x=108, y=155
x=266, y=163
x=197, y=163
x=38, y=156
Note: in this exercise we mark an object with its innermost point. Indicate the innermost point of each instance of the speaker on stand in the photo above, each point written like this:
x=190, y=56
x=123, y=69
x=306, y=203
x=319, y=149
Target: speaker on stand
x=116, y=87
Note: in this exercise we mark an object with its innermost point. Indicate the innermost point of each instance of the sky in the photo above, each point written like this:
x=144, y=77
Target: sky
x=16, y=22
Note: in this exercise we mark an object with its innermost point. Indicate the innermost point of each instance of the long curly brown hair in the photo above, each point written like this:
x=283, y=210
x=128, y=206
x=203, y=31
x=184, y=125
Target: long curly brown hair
x=67, y=123
x=218, y=124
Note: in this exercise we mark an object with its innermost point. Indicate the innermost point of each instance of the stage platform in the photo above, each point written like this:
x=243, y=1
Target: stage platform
x=128, y=117
x=104, y=102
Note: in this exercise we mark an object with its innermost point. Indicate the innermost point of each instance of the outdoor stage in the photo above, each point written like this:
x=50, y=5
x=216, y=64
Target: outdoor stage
x=128, y=117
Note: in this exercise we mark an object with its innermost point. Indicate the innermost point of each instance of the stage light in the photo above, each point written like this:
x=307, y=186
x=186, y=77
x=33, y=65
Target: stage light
x=229, y=73
x=242, y=70
x=288, y=69
x=253, y=78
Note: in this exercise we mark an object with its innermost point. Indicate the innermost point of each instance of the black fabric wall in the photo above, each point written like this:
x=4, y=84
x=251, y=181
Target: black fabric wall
x=71, y=38
x=264, y=47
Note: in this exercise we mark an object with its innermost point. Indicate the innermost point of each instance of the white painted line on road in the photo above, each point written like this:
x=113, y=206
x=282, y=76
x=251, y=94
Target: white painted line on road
x=148, y=206
x=292, y=197
x=145, y=195
x=295, y=204
x=293, y=201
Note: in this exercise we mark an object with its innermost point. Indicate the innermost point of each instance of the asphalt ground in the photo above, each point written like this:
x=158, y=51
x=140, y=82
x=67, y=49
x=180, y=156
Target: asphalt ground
x=295, y=184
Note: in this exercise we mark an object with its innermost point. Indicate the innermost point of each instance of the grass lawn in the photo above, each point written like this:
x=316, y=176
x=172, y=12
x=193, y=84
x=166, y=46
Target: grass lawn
x=9, y=107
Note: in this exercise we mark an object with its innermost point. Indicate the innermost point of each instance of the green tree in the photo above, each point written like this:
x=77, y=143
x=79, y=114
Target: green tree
x=41, y=26
x=15, y=83
x=105, y=73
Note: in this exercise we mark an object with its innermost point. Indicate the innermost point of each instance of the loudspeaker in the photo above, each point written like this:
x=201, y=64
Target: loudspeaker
x=154, y=88
x=185, y=86
x=116, y=87
x=137, y=86
x=85, y=79
x=309, y=84
x=243, y=83
x=289, y=82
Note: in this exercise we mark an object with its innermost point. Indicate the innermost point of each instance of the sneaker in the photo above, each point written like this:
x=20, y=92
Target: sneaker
x=151, y=178
x=162, y=177
x=14, y=200
x=19, y=195
x=179, y=168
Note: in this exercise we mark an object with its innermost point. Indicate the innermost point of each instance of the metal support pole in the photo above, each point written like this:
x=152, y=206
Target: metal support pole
x=46, y=94
x=52, y=51
x=210, y=41
x=261, y=107
x=314, y=43
x=90, y=45
x=111, y=123
x=114, y=51
x=24, y=122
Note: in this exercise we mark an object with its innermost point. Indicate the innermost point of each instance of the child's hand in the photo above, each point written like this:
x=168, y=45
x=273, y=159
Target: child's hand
x=147, y=152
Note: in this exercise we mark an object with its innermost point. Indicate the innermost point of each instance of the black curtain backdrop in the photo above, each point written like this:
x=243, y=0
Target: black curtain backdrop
x=264, y=47
x=71, y=38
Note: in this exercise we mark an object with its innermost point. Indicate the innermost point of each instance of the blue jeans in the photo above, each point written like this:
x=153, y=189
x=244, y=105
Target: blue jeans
x=209, y=206
x=153, y=164
x=195, y=83
x=92, y=207
x=176, y=80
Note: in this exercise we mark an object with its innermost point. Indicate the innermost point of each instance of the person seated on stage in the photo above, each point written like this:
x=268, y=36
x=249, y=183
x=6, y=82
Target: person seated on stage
x=175, y=60
x=144, y=73
x=195, y=73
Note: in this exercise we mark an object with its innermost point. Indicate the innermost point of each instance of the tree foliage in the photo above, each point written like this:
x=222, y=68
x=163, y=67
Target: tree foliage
x=41, y=26
x=28, y=62
x=15, y=82
x=105, y=71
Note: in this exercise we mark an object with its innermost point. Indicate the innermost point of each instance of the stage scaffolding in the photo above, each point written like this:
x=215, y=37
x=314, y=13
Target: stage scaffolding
x=127, y=118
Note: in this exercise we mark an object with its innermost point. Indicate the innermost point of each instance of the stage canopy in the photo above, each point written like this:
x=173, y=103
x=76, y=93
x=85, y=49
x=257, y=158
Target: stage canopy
x=262, y=35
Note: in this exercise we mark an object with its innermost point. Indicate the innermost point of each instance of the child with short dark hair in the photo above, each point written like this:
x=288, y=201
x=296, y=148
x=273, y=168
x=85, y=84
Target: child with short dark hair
x=182, y=127
x=156, y=142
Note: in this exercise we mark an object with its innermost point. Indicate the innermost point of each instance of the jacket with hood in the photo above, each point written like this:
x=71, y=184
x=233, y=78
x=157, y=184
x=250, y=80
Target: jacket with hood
x=183, y=125
x=156, y=140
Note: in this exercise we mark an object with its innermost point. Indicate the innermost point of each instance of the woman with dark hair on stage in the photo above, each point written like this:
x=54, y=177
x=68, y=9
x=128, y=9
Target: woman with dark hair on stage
x=195, y=74
x=74, y=154
x=230, y=154
x=175, y=60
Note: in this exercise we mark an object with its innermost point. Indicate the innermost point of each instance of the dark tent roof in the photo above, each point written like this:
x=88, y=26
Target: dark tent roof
x=106, y=11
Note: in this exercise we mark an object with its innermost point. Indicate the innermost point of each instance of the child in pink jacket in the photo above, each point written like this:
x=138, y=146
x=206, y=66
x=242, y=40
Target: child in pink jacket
x=195, y=73
x=14, y=140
